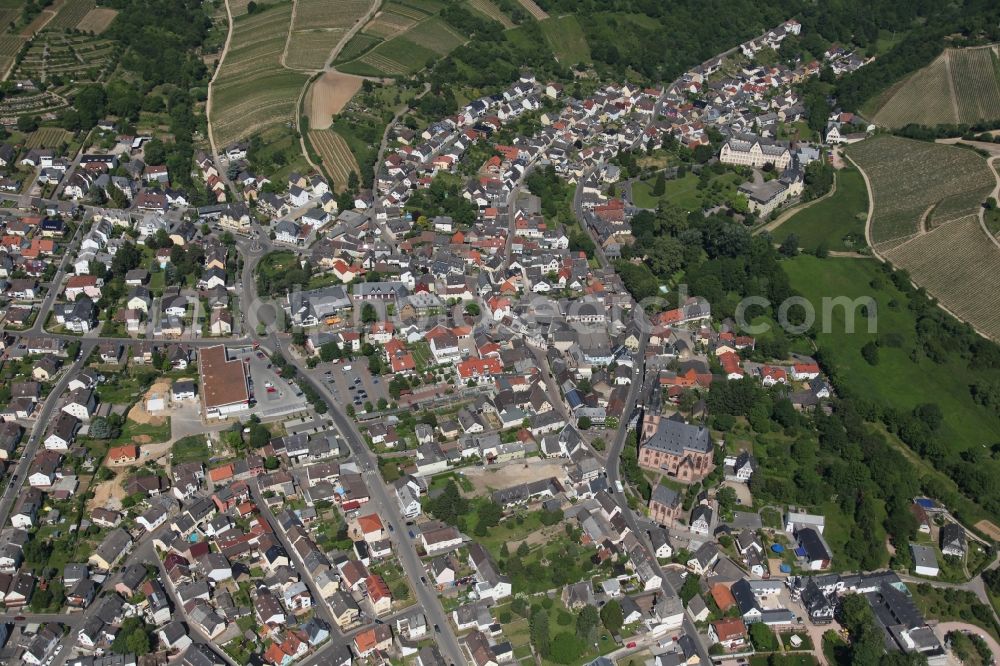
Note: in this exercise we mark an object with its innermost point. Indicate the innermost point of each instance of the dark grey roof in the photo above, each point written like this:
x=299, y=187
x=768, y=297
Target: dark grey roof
x=676, y=438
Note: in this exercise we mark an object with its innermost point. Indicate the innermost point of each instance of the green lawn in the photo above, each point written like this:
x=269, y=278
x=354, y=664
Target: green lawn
x=839, y=221
x=684, y=191
x=897, y=380
x=156, y=433
x=190, y=449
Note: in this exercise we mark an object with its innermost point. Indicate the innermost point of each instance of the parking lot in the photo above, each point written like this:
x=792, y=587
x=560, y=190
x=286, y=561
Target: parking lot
x=352, y=383
x=274, y=395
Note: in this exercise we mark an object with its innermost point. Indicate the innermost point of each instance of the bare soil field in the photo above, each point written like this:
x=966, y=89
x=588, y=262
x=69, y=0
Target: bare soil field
x=138, y=412
x=97, y=20
x=484, y=479
x=989, y=528
x=329, y=95
x=107, y=495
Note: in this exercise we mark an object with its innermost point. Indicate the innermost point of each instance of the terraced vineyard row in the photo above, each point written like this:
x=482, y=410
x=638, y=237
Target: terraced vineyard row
x=910, y=177
x=960, y=266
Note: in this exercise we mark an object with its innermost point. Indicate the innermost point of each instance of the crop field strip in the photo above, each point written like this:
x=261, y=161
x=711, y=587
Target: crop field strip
x=434, y=34
x=388, y=24
x=339, y=15
x=909, y=177
x=253, y=91
x=565, y=36
x=338, y=161
x=492, y=11
x=70, y=14
x=925, y=98
x=975, y=75
x=97, y=20
x=423, y=6
x=960, y=266
x=534, y=9
x=49, y=137
x=358, y=45
x=309, y=49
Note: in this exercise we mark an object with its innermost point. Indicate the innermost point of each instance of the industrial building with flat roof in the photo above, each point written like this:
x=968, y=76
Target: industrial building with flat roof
x=225, y=383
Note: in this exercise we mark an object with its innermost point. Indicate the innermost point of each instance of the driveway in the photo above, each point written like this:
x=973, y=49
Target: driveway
x=944, y=627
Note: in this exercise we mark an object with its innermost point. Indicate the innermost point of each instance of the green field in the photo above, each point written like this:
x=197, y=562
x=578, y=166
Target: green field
x=252, y=91
x=917, y=183
x=684, y=191
x=834, y=220
x=566, y=38
x=897, y=379
x=408, y=51
x=356, y=46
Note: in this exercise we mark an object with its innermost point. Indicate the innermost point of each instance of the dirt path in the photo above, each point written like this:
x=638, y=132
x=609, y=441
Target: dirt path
x=787, y=215
x=376, y=5
x=211, y=87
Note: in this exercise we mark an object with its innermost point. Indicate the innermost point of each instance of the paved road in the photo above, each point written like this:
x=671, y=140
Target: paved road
x=382, y=499
x=19, y=474
x=319, y=602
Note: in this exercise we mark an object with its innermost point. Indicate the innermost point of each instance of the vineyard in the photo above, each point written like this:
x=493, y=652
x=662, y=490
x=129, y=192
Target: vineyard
x=48, y=137
x=317, y=30
x=97, y=20
x=309, y=49
x=70, y=14
x=252, y=91
x=960, y=86
x=388, y=24
x=975, y=74
x=414, y=38
x=912, y=180
x=960, y=266
x=925, y=99
x=492, y=11
x=338, y=161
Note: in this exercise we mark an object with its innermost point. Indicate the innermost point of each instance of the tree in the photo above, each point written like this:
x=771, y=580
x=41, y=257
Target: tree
x=523, y=549
x=259, y=436
x=329, y=351
x=586, y=621
x=584, y=423
x=472, y=309
x=612, y=616
x=689, y=589
x=368, y=314
x=790, y=246
x=762, y=637
x=870, y=353
x=539, y=630
x=660, y=186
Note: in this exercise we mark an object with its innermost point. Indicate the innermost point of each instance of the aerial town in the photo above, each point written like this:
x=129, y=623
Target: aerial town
x=442, y=418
